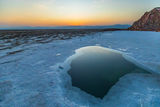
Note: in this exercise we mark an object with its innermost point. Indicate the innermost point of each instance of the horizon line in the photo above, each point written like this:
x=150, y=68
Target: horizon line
x=57, y=27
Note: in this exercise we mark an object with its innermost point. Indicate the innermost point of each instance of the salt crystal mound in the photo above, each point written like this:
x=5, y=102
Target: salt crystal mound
x=95, y=69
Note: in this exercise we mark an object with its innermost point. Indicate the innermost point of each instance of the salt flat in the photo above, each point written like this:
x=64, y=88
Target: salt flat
x=33, y=77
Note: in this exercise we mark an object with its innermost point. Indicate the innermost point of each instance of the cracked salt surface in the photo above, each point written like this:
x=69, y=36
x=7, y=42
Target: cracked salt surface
x=37, y=78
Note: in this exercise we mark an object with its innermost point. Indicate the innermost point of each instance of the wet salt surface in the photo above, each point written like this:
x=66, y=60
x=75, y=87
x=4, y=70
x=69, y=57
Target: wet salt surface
x=36, y=77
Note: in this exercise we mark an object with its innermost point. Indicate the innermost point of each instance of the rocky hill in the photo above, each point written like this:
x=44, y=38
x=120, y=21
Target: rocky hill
x=150, y=21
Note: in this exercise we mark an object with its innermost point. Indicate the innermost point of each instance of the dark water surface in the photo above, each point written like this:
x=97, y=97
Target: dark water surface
x=95, y=70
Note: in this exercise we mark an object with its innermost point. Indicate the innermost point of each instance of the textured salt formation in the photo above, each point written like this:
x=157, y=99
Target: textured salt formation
x=95, y=69
x=34, y=80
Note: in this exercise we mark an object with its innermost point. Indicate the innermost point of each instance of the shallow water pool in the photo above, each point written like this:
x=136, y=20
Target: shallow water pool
x=96, y=69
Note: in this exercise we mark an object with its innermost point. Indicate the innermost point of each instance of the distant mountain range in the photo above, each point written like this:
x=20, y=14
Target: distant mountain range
x=117, y=26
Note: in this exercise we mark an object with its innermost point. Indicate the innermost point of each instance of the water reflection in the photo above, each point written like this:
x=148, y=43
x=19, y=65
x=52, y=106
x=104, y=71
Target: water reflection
x=95, y=69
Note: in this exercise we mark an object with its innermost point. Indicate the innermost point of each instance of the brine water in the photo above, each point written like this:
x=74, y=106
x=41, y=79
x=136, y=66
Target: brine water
x=95, y=69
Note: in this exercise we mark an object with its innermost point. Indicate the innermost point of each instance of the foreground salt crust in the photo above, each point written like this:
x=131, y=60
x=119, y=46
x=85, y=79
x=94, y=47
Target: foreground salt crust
x=126, y=93
x=35, y=77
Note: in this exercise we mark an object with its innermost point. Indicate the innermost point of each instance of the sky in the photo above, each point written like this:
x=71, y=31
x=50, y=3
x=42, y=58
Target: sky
x=72, y=12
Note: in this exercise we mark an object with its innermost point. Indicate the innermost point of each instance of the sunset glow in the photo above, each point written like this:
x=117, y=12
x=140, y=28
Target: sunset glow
x=72, y=12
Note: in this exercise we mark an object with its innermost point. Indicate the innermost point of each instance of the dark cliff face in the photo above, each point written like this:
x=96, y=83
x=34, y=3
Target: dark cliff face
x=149, y=21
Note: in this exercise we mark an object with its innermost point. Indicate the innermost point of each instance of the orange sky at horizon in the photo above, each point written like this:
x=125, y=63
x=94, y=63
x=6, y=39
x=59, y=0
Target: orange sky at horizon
x=71, y=12
x=44, y=20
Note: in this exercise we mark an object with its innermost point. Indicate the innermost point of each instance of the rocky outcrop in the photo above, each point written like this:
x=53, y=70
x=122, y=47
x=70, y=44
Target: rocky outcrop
x=150, y=21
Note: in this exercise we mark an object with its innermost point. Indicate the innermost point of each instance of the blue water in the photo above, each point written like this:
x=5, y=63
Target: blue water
x=95, y=70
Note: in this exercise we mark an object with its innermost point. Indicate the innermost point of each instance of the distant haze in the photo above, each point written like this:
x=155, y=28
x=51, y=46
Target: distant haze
x=118, y=26
x=72, y=12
